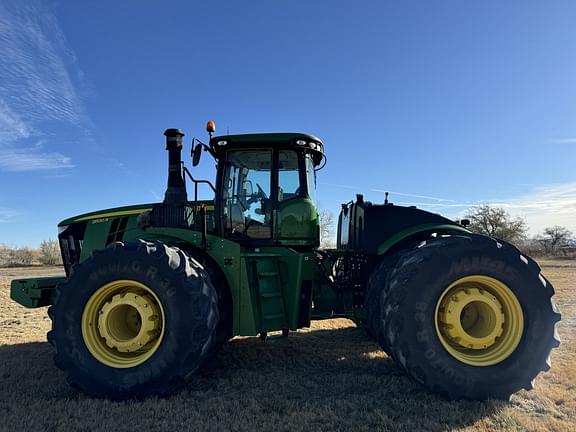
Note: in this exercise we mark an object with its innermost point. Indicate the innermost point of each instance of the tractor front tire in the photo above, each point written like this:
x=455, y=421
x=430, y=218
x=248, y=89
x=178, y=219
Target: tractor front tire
x=469, y=317
x=135, y=319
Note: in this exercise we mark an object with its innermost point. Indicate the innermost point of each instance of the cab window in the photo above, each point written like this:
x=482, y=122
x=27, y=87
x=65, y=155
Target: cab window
x=288, y=175
x=247, y=210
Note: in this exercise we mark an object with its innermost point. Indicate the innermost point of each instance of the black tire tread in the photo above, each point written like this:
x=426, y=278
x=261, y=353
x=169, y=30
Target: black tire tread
x=376, y=291
x=191, y=277
x=392, y=321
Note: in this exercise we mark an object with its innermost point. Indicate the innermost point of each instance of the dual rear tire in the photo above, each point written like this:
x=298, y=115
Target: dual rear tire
x=466, y=316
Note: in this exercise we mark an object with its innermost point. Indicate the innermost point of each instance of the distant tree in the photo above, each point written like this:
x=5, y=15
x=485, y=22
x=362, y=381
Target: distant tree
x=553, y=238
x=4, y=255
x=326, y=228
x=19, y=256
x=496, y=222
x=50, y=252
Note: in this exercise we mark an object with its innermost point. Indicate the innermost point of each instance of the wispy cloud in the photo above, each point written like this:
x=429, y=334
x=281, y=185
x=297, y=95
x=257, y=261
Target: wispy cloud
x=37, y=75
x=542, y=206
x=405, y=194
x=435, y=205
x=545, y=206
x=563, y=141
x=156, y=196
x=7, y=215
x=426, y=197
x=24, y=160
x=12, y=127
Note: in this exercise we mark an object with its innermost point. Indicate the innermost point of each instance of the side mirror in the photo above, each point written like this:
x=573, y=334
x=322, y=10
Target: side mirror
x=196, y=153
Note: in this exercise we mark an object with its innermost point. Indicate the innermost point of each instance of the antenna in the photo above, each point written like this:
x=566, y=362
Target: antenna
x=386, y=199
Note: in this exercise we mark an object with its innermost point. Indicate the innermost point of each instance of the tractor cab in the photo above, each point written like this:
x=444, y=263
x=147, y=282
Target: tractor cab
x=265, y=188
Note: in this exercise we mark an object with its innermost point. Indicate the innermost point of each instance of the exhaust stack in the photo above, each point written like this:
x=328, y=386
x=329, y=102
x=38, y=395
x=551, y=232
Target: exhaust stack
x=176, y=190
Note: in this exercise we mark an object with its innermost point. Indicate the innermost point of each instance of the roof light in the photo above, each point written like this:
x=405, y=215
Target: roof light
x=210, y=126
x=222, y=143
x=301, y=142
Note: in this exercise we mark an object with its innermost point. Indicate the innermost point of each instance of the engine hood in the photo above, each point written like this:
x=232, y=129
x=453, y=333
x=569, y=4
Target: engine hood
x=107, y=213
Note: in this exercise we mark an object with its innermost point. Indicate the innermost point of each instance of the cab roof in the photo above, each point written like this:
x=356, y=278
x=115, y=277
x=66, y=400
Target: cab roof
x=285, y=139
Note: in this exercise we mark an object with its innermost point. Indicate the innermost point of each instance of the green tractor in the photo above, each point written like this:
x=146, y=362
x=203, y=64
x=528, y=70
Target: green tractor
x=152, y=291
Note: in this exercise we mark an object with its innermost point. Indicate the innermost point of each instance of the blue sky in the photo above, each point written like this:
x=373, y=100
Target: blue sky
x=446, y=104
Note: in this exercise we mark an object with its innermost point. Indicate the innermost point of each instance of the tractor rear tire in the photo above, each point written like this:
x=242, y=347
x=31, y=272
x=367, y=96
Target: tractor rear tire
x=469, y=317
x=135, y=319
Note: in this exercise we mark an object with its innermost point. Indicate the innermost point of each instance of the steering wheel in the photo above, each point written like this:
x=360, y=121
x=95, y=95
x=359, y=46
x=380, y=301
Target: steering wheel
x=243, y=204
x=261, y=191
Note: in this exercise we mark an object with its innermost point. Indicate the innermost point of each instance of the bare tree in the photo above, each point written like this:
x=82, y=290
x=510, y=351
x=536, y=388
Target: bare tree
x=24, y=256
x=50, y=252
x=15, y=256
x=554, y=238
x=496, y=222
x=4, y=255
x=326, y=228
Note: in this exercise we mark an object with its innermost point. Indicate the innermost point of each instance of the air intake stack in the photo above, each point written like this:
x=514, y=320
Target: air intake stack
x=176, y=190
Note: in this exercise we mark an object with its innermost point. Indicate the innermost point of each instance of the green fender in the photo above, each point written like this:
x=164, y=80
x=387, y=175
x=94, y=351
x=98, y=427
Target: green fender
x=399, y=236
x=227, y=255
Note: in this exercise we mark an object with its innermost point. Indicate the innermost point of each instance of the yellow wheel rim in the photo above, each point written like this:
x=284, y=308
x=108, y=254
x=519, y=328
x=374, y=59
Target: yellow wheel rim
x=479, y=320
x=123, y=324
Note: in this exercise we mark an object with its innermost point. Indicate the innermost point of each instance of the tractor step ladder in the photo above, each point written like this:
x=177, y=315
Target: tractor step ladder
x=270, y=294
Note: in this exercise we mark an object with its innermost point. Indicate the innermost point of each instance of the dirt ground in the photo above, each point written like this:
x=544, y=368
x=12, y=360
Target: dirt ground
x=331, y=377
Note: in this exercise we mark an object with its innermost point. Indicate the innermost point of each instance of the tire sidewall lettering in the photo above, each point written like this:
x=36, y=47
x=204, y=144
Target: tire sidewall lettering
x=423, y=284
x=182, y=336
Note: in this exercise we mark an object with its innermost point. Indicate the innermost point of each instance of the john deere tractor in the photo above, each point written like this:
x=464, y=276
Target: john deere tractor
x=152, y=291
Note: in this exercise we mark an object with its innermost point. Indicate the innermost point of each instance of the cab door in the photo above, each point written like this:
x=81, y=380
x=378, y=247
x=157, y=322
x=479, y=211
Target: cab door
x=246, y=196
x=295, y=216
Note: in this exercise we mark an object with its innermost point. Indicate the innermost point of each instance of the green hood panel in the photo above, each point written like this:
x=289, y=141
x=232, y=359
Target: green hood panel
x=108, y=213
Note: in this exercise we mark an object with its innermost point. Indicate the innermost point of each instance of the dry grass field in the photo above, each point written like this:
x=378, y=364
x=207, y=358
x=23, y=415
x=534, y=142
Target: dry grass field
x=331, y=377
